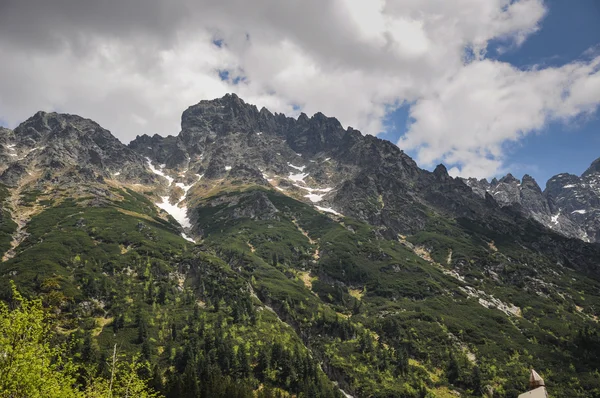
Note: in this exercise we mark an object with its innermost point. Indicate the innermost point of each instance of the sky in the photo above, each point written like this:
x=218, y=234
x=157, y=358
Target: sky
x=485, y=87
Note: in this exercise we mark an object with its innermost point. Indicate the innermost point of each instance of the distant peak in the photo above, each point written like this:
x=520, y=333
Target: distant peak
x=509, y=178
x=232, y=97
x=265, y=111
x=321, y=118
x=441, y=172
x=41, y=121
x=303, y=117
x=227, y=100
x=593, y=169
x=530, y=182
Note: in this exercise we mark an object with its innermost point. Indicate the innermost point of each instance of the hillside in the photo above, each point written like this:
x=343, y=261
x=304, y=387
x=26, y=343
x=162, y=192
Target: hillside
x=255, y=254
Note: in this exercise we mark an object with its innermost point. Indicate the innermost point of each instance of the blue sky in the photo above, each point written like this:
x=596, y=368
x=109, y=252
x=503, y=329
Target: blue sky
x=569, y=29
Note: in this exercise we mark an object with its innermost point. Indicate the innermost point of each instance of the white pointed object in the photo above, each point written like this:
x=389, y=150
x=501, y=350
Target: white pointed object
x=535, y=380
x=537, y=387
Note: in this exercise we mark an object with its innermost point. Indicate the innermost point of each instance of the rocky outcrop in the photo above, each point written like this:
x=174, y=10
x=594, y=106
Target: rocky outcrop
x=58, y=143
x=570, y=204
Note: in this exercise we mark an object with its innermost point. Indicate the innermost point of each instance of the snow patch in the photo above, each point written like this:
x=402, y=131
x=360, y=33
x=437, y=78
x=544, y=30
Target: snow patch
x=313, y=194
x=185, y=188
x=314, y=197
x=184, y=236
x=345, y=394
x=29, y=151
x=299, y=168
x=298, y=177
x=585, y=237
x=311, y=190
x=259, y=133
x=177, y=210
x=118, y=173
x=579, y=211
x=227, y=168
x=178, y=213
x=158, y=171
x=554, y=219
x=569, y=186
x=328, y=210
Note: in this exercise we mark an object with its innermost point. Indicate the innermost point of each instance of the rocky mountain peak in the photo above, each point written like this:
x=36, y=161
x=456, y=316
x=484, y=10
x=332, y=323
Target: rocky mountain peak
x=593, y=169
x=569, y=205
x=441, y=173
x=319, y=119
x=55, y=143
x=41, y=122
x=509, y=179
x=303, y=118
x=559, y=181
x=530, y=182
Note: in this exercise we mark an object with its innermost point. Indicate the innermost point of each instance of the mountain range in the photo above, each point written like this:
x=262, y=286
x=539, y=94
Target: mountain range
x=255, y=254
x=569, y=205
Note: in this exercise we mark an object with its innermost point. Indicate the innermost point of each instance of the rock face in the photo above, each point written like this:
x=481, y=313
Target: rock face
x=569, y=205
x=54, y=144
x=314, y=159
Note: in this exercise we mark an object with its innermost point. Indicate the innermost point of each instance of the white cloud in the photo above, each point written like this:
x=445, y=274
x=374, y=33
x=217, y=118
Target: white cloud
x=486, y=104
x=135, y=65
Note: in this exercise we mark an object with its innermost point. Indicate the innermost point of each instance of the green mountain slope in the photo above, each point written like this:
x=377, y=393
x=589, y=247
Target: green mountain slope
x=121, y=274
x=392, y=322
x=262, y=302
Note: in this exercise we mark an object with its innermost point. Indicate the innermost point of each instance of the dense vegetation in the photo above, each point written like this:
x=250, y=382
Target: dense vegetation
x=121, y=275
x=34, y=364
x=288, y=303
x=7, y=225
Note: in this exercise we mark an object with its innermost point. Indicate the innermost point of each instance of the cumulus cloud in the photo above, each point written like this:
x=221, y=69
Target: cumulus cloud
x=486, y=104
x=135, y=65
